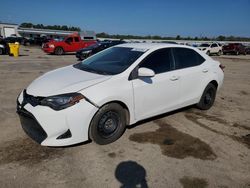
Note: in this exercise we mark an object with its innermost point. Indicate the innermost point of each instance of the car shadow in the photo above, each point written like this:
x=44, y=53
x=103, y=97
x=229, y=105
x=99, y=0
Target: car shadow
x=131, y=126
x=131, y=174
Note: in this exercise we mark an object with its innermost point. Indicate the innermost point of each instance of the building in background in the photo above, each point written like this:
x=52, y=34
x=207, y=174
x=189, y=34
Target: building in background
x=8, y=29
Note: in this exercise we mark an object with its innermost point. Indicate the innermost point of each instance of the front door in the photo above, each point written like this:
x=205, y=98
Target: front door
x=158, y=94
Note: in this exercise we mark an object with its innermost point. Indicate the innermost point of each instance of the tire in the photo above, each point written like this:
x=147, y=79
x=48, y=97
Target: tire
x=237, y=53
x=1, y=51
x=82, y=57
x=208, y=53
x=108, y=124
x=59, y=51
x=208, y=97
x=219, y=53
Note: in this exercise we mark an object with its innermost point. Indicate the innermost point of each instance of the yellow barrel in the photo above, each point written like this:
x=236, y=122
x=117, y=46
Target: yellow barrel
x=14, y=49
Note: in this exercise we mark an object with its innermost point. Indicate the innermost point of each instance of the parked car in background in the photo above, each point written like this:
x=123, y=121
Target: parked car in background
x=213, y=48
x=40, y=40
x=71, y=43
x=97, y=98
x=95, y=48
x=234, y=48
x=21, y=40
x=247, y=49
x=4, y=47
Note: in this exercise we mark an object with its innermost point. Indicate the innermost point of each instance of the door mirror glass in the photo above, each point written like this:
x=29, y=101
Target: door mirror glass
x=145, y=72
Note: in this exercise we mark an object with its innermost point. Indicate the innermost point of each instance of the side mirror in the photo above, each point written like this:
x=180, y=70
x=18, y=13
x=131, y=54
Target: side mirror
x=145, y=72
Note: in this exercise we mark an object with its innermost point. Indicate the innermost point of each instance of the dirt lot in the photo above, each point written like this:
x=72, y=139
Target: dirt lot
x=187, y=148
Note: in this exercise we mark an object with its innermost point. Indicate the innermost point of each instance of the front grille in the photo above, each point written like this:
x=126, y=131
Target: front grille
x=31, y=126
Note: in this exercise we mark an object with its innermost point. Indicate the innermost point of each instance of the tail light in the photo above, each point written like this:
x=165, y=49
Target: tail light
x=222, y=67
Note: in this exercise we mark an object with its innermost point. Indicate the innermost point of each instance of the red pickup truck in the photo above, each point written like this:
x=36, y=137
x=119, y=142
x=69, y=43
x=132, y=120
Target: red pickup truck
x=71, y=43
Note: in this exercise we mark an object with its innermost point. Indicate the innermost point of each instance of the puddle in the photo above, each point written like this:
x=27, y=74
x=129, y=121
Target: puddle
x=243, y=92
x=26, y=152
x=244, y=139
x=190, y=182
x=112, y=155
x=195, y=116
x=174, y=143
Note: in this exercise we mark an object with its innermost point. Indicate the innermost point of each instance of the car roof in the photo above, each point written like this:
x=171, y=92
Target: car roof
x=149, y=46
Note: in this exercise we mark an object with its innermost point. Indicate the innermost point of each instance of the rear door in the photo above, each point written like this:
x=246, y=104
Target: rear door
x=160, y=93
x=193, y=71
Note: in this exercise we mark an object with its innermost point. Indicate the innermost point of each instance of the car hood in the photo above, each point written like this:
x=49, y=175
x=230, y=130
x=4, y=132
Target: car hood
x=64, y=80
x=87, y=49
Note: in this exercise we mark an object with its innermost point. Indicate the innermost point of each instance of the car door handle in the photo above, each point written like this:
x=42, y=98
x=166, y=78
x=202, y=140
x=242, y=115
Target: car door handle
x=174, y=78
x=205, y=70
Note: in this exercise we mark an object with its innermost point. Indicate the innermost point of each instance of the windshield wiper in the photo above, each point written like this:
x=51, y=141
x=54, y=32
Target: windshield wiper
x=89, y=69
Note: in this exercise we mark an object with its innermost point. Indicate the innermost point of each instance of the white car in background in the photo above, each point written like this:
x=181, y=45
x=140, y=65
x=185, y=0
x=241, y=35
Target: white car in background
x=97, y=98
x=213, y=48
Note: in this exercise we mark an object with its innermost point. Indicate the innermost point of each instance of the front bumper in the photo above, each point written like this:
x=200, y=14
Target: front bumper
x=46, y=126
x=48, y=50
x=31, y=126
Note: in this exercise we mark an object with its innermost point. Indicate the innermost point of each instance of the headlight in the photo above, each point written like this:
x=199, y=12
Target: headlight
x=52, y=46
x=60, y=102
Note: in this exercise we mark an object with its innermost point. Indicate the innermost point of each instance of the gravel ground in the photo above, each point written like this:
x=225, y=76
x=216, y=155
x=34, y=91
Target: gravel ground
x=185, y=148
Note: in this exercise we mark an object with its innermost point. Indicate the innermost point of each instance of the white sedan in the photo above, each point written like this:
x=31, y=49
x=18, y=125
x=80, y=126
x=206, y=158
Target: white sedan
x=209, y=49
x=97, y=98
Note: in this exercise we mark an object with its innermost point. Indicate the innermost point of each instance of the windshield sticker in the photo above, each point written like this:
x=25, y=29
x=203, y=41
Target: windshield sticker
x=139, y=49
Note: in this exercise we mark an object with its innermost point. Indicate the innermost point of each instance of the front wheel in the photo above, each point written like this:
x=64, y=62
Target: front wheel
x=59, y=51
x=208, y=97
x=108, y=124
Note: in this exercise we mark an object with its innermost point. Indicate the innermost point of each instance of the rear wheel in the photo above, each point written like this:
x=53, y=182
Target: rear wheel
x=59, y=51
x=219, y=53
x=108, y=124
x=208, y=97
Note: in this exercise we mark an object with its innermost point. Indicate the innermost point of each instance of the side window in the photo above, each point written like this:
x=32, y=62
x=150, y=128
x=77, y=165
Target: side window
x=159, y=61
x=76, y=39
x=70, y=39
x=185, y=57
x=214, y=45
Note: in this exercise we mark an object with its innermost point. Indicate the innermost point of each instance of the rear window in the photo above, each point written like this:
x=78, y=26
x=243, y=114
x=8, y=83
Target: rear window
x=185, y=57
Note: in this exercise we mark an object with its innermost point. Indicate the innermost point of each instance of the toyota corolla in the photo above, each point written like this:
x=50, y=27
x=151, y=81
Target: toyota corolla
x=97, y=98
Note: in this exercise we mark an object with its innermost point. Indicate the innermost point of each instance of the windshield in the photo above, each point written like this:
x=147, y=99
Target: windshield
x=204, y=45
x=111, y=61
